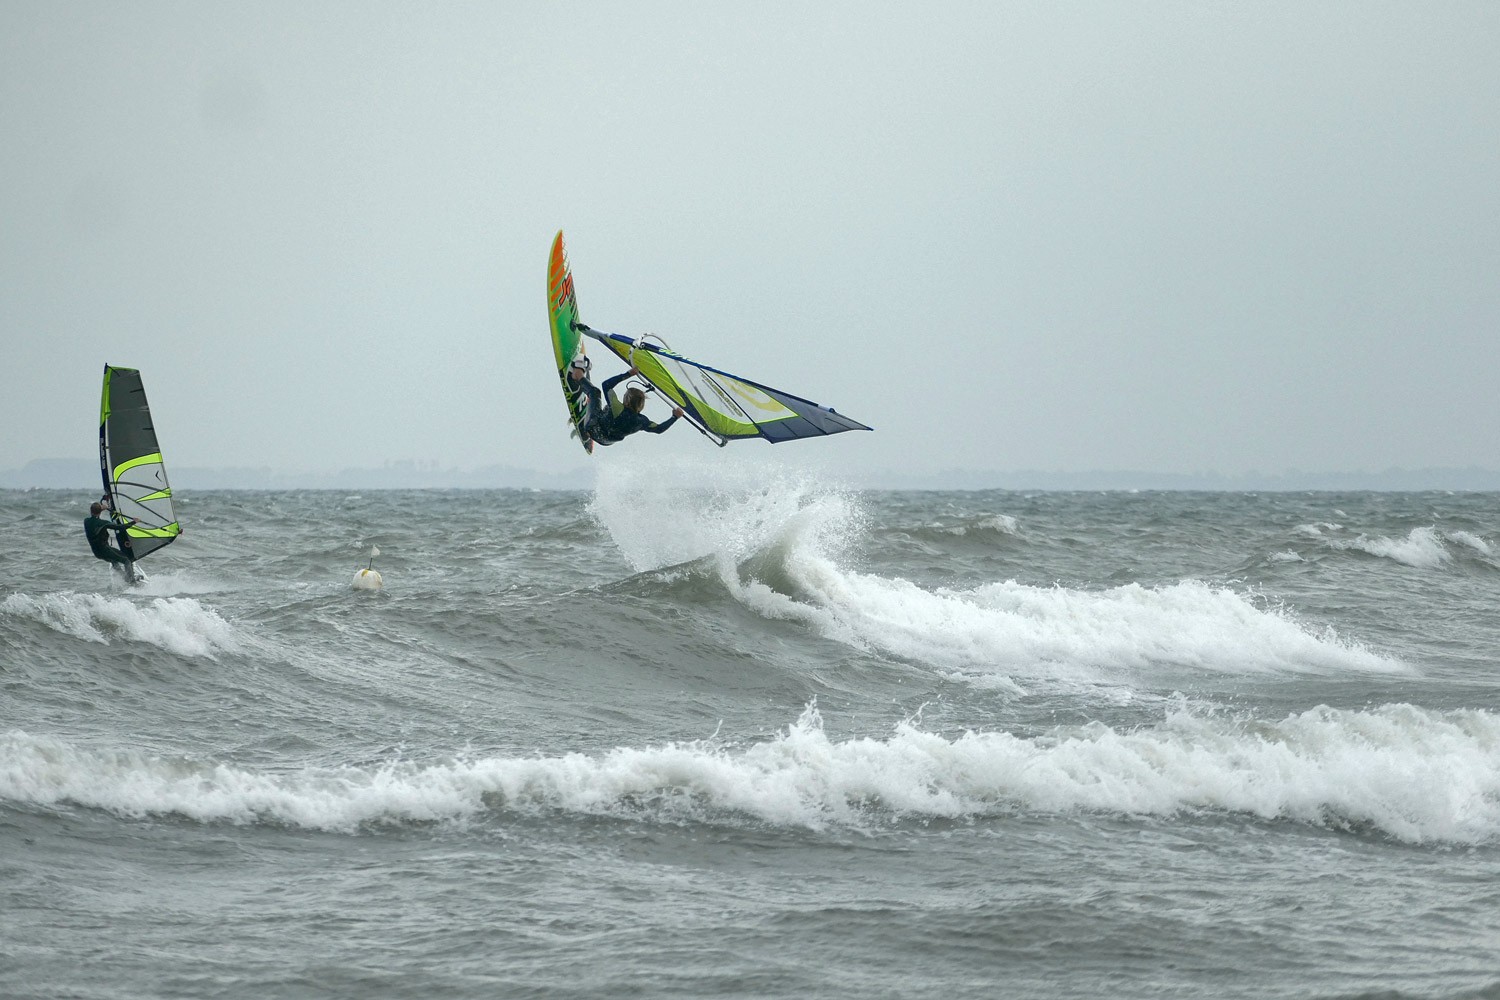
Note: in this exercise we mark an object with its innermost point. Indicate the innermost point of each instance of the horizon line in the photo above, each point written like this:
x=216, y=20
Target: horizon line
x=79, y=474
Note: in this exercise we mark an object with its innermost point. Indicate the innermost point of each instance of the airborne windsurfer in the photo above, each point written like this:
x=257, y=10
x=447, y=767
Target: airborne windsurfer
x=95, y=528
x=621, y=418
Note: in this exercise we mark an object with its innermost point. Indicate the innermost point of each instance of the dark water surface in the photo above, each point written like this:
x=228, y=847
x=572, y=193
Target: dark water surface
x=761, y=739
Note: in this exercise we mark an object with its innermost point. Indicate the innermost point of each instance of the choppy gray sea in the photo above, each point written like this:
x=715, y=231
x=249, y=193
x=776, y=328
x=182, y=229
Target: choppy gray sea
x=731, y=735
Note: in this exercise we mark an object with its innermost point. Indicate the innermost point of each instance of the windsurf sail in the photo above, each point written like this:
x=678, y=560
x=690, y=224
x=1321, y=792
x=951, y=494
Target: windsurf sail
x=135, y=480
x=725, y=407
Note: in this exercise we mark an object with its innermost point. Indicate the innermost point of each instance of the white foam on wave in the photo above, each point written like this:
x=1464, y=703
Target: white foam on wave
x=1421, y=548
x=1412, y=774
x=1470, y=540
x=1059, y=632
x=1000, y=524
x=1010, y=628
x=179, y=625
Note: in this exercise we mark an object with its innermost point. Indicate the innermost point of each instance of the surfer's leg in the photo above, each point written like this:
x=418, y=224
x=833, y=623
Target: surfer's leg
x=591, y=412
x=121, y=564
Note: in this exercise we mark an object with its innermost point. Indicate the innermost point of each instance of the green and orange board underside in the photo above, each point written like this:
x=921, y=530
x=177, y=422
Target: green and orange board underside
x=562, y=314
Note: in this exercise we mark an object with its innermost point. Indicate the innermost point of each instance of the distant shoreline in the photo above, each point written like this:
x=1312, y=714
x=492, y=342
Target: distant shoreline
x=74, y=474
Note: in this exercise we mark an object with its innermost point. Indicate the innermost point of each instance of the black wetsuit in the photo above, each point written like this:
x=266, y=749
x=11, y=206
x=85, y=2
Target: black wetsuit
x=608, y=424
x=95, y=528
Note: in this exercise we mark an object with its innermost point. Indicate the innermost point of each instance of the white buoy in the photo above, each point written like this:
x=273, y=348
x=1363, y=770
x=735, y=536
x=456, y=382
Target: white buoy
x=368, y=577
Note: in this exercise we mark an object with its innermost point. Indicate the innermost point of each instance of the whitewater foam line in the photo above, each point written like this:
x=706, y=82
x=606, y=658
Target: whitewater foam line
x=1057, y=632
x=1421, y=548
x=776, y=542
x=998, y=524
x=179, y=625
x=1412, y=774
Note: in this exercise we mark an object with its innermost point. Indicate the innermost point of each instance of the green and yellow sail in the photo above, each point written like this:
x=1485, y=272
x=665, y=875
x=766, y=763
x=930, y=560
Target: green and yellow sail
x=727, y=406
x=130, y=462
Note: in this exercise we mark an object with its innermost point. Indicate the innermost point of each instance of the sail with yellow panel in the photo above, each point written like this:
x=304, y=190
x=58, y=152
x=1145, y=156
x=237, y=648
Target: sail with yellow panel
x=130, y=462
x=725, y=407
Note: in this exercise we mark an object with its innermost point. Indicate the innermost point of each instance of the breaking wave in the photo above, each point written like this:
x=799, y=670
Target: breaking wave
x=1412, y=774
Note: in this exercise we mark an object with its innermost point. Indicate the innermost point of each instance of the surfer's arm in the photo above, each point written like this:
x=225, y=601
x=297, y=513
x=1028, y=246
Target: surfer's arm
x=611, y=401
x=659, y=428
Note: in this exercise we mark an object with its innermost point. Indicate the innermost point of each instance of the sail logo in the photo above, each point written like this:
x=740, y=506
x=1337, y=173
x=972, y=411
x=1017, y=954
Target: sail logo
x=723, y=396
x=751, y=396
x=564, y=293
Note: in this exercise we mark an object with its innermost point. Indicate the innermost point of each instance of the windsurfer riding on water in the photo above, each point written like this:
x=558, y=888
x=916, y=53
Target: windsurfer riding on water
x=96, y=528
x=621, y=418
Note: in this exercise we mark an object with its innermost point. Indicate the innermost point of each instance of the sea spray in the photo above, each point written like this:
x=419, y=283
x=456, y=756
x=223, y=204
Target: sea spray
x=675, y=512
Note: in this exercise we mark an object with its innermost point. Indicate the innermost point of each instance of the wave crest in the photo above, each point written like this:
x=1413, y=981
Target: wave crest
x=779, y=548
x=179, y=625
x=1421, y=548
x=1413, y=774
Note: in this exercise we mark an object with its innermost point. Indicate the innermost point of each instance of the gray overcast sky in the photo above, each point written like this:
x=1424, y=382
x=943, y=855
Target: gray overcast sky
x=1177, y=237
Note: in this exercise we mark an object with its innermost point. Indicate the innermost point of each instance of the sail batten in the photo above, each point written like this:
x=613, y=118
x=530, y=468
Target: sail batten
x=729, y=406
x=131, y=464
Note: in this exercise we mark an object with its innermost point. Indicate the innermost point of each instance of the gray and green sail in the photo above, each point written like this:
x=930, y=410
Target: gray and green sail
x=726, y=406
x=130, y=462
